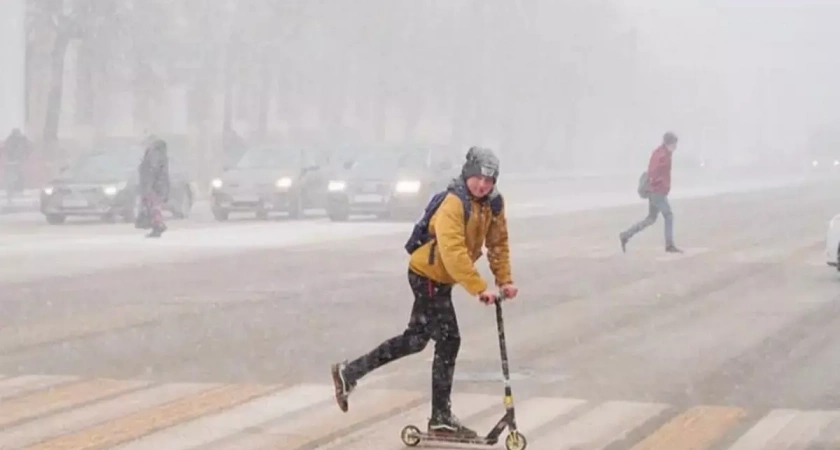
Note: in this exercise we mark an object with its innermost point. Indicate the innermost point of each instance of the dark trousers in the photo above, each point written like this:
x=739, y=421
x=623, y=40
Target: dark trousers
x=657, y=203
x=432, y=317
x=153, y=206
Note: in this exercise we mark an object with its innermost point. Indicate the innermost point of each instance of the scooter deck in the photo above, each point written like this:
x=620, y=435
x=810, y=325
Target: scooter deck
x=444, y=439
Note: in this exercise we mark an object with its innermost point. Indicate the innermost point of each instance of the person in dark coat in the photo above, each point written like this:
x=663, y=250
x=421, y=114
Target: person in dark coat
x=15, y=151
x=154, y=185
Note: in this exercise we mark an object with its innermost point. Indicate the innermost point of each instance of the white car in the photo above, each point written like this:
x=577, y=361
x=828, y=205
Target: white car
x=832, y=243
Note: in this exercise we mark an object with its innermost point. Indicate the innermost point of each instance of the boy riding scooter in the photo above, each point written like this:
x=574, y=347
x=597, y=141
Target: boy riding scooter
x=444, y=246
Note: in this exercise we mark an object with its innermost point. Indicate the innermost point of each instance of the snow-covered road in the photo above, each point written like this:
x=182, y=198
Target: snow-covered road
x=224, y=339
x=31, y=249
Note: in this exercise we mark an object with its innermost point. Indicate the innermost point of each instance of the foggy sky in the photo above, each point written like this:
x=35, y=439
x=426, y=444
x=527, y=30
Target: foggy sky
x=773, y=59
x=747, y=78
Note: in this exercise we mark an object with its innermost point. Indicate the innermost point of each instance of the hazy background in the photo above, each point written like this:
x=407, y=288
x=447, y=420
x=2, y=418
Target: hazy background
x=561, y=84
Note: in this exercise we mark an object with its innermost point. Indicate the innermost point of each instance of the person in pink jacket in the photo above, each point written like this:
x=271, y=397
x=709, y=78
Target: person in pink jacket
x=659, y=186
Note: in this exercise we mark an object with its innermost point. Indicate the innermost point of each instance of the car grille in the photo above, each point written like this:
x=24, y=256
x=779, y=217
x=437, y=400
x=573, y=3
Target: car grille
x=373, y=187
x=77, y=190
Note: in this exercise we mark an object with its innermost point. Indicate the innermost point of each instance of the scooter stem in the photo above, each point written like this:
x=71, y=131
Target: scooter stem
x=500, y=325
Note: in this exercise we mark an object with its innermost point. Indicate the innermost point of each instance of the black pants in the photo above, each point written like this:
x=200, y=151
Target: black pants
x=432, y=317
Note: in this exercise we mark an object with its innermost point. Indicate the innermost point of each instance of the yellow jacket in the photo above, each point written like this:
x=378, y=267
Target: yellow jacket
x=456, y=248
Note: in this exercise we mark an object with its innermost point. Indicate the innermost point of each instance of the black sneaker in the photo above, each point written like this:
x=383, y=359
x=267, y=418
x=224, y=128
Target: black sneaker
x=342, y=387
x=447, y=425
x=157, y=231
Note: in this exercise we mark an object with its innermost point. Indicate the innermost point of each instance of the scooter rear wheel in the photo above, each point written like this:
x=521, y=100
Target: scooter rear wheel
x=410, y=436
x=516, y=441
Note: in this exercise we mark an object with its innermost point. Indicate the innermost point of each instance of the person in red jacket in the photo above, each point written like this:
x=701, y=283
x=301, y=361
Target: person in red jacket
x=659, y=186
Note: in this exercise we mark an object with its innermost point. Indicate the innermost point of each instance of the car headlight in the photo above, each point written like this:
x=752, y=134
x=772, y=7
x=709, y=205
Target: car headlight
x=336, y=186
x=49, y=190
x=113, y=189
x=408, y=186
x=283, y=182
x=216, y=183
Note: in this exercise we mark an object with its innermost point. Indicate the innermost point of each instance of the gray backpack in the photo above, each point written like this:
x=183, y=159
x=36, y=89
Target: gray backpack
x=644, y=185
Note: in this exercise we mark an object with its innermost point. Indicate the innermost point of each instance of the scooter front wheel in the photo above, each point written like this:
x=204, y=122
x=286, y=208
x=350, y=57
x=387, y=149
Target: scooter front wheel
x=516, y=441
x=410, y=436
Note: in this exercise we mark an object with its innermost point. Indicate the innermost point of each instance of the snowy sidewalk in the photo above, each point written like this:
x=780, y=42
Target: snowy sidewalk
x=577, y=181
x=26, y=201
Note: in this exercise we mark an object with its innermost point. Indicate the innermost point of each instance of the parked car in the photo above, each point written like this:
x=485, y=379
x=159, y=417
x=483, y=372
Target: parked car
x=269, y=179
x=823, y=151
x=832, y=243
x=104, y=184
x=389, y=183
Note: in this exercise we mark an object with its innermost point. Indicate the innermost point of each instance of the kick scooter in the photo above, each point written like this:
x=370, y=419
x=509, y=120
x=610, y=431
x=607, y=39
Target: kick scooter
x=412, y=436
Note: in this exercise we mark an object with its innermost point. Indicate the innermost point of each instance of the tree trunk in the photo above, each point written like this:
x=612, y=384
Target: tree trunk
x=53, y=113
x=227, y=120
x=265, y=98
x=413, y=107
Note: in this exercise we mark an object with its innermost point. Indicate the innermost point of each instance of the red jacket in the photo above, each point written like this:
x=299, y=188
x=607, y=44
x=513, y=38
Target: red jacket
x=659, y=171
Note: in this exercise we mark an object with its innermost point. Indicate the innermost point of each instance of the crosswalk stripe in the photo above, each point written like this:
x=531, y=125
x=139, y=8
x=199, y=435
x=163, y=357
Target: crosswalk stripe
x=785, y=428
x=324, y=422
x=139, y=424
x=697, y=428
x=531, y=414
x=688, y=253
x=387, y=432
x=607, y=423
x=92, y=322
x=762, y=254
x=55, y=425
x=139, y=414
x=209, y=429
x=53, y=399
x=12, y=387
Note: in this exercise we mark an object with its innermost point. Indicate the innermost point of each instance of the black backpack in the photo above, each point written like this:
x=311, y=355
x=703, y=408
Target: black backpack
x=420, y=233
x=643, y=188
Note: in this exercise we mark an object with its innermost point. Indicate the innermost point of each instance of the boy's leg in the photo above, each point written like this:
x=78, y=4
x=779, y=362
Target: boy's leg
x=664, y=207
x=627, y=234
x=444, y=326
x=413, y=340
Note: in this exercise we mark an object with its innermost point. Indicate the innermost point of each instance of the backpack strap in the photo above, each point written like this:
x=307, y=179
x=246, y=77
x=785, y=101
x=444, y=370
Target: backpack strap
x=421, y=234
x=497, y=204
x=460, y=192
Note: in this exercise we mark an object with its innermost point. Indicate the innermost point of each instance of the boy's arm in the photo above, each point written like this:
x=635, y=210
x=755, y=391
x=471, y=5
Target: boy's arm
x=498, y=249
x=449, y=232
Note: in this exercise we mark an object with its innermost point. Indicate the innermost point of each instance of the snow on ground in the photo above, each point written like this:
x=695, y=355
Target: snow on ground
x=61, y=252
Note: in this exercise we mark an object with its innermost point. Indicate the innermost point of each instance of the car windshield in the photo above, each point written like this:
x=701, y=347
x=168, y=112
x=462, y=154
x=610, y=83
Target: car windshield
x=414, y=159
x=109, y=164
x=269, y=158
x=825, y=143
x=388, y=161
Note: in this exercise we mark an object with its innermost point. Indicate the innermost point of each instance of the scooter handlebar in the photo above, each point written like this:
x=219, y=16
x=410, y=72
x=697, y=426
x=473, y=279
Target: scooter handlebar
x=495, y=299
x=500, y=297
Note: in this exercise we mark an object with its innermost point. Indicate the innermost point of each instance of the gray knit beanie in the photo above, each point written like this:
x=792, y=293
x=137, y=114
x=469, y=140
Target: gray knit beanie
x=481, y=162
